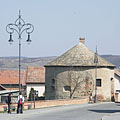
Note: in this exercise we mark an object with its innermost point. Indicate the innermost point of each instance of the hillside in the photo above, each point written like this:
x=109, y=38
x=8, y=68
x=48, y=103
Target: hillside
x=12, y=62
x=114, y=59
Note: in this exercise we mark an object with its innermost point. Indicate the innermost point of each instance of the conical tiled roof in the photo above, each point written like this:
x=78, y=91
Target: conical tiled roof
x=79, y=55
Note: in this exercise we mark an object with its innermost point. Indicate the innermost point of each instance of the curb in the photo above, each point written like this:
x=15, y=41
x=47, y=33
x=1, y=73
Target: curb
x=104, y=117
x=113, y=116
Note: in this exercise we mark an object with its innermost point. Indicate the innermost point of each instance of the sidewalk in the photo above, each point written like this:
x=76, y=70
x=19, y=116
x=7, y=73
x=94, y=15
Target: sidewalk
x=113, y=116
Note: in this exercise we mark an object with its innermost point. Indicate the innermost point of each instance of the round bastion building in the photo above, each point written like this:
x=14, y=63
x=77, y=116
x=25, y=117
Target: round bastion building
x=75, y=74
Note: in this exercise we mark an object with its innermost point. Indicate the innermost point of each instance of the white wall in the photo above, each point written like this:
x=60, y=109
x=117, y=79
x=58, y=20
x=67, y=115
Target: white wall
x=117, y=82
x=38, y=87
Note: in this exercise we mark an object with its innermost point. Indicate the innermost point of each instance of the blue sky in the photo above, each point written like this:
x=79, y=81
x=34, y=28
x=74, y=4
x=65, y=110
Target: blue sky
x=60, y=23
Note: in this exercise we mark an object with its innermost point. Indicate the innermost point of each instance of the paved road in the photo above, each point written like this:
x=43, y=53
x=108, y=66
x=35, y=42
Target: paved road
x=71, y=112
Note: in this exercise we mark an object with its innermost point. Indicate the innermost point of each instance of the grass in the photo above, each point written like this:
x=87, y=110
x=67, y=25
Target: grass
x=2, y=112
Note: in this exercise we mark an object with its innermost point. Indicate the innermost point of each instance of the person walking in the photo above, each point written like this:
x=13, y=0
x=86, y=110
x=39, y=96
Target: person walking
x=20, y=103
x=9, y=103
x=90, y=98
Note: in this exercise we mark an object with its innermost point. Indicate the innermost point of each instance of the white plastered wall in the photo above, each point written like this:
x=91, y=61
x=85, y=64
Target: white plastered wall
x=38, y=87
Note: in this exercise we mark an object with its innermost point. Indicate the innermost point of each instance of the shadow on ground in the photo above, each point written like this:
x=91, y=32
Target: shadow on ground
x=117, y=103
x=105, y=111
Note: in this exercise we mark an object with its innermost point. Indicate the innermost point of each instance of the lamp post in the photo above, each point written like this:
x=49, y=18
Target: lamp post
x=19, y=26
x=35, y=94
x=96, y=64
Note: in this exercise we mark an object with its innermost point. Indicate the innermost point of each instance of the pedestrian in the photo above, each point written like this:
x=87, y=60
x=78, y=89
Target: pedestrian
x=20, y=103
x=9, y=103
x=90, y=97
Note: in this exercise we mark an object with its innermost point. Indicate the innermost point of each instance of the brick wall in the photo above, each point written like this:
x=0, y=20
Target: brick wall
x=48, y=103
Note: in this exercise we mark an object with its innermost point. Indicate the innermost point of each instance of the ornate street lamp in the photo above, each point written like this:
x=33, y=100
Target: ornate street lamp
x=96, y=63
x=19, y=27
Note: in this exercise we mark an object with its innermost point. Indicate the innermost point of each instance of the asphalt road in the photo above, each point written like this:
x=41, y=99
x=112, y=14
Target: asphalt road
x=69, y=112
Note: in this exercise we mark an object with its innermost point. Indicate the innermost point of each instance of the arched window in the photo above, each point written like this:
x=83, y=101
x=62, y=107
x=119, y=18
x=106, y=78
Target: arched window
x=53, y=81
x=111, y=79
x=66, y=89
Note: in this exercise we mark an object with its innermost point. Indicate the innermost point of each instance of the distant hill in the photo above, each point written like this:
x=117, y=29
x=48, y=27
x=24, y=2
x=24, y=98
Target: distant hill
x=12, y=62
x=114, y=59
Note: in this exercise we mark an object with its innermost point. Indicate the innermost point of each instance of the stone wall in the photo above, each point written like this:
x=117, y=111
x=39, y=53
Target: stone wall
x=49, y=103
x=54, y=90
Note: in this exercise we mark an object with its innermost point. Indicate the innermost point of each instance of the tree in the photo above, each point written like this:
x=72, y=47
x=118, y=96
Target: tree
x=89, y=83
x=78, y=81
x=44, y=94
x=31, y=94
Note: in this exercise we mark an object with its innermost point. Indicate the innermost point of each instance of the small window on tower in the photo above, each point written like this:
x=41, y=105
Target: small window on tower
x=53, y=81
x=66, y=89
x=111, y=79
x=98, y=83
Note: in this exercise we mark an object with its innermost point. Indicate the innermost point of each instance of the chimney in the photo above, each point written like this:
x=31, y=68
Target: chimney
x=82, y=40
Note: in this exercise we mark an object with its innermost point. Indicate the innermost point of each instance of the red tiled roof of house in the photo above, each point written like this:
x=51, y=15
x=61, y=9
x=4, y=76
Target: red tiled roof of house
x=117, y=72
x=12, y=77
x=35, y=75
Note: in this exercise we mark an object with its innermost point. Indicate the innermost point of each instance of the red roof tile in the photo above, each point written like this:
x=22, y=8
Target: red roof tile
x=12, y=77
x=117, y=72
x=35, y=75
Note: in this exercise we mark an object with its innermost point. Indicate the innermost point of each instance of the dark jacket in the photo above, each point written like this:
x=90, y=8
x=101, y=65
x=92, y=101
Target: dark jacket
x=9, y=99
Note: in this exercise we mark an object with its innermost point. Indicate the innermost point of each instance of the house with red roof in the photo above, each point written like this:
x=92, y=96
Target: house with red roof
x=117, y=81
x=9, y=79
x=35, y=79
x=9, y=83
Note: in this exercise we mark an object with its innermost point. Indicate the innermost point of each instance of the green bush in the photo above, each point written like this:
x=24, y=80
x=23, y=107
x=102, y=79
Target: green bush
x=5, y=108
x=44, y=94
x=31, y=94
